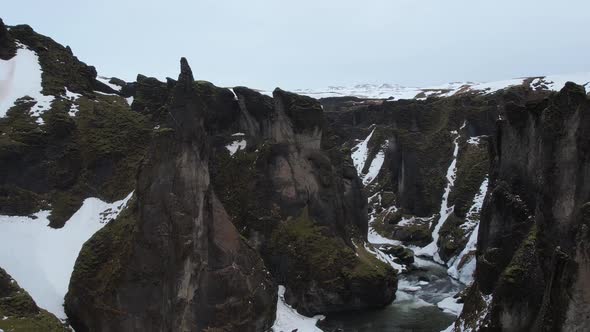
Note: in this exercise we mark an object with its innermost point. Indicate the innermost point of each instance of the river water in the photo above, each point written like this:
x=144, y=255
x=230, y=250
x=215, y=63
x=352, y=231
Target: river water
x=414, y=309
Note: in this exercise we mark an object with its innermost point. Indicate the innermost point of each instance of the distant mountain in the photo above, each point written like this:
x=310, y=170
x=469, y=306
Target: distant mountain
x=396, y=92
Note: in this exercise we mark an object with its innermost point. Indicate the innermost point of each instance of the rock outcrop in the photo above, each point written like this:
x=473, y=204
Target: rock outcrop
x=173, y=261
x=532, y=251
x=299, y=200
x=7, y=46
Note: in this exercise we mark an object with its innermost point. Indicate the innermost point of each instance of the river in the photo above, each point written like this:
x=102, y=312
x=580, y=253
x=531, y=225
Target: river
x=414, y=309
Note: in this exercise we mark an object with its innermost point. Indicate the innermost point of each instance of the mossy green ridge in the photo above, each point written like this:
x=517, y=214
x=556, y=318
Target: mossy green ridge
x=56, y=164
x=59, y=163
x=19, y=313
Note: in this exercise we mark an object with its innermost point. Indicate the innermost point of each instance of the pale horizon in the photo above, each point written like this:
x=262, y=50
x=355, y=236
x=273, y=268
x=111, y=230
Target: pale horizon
x=307, y=44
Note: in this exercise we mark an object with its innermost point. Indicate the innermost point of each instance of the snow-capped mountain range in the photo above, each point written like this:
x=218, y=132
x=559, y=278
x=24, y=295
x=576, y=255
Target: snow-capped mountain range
x=396, y=91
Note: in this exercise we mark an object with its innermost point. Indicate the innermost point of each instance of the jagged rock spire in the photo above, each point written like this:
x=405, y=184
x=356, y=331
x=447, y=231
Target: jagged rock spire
x=186, y=74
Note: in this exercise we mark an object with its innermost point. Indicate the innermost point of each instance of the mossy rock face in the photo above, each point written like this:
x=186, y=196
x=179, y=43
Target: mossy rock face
x=324, y=275
x=258, y=105
x=63, y=161
x=387, y=198
x=20, y=313
x=476, y=313
x=452, y=237
x=150, y=97
x=99, y=266
x=403, y=254
x=528, y=246
x=304, y=112
x=418, y=233
x=60, y=67
x=394, y=218
x=472, y=166
x=67, y=158
x=241, y=183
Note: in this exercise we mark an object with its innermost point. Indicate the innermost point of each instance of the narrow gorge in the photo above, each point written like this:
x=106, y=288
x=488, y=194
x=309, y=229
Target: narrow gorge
x=179, y=205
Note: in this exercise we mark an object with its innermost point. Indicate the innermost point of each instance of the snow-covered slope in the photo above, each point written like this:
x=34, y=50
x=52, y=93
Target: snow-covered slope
x=20, y=77
x=288, y=319
x=42, y=258
x=395, y=91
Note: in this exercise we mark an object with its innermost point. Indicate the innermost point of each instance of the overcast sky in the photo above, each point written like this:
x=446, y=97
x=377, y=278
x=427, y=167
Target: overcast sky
x=316, y=43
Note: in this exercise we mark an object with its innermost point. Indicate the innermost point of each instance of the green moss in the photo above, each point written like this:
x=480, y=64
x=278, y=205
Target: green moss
x=96, y=153
x=241, y=185
x=103, y=257
x=452, y=238
x=43, y=321
x=305, y=112
x=367, y=267
x=17, y=201
x=150, y=98
x=472, y=167
x=18, y=311
x=112, y=139
x=522, y=263
x=314, y=255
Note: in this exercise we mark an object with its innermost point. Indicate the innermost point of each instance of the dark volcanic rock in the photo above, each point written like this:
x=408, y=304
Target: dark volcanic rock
x=174, y=261
x=533, y=238
x=7, y=45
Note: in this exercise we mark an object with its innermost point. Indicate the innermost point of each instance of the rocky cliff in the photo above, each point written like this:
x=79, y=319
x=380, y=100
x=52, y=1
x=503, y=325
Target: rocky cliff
x=532, y=252
x=174, y=261
x=299, y=200
x=234, y=193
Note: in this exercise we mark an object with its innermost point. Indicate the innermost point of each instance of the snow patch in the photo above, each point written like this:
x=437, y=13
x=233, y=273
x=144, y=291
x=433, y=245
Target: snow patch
x=557, y=82
x=288, y=319
x=360, y=153
x=20, y=77
x=236, y=146
x=475, y=140
x=375, y=166
x=461, y=269
x=359, y=156
x=235, y=95
x=72, y=96
x=129, y=100
x=106, y=80
x=479, y=321
x=387, y=259
x=450, y=305
x=42, y=258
